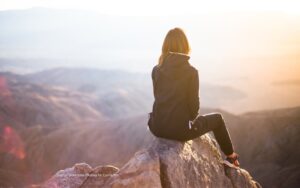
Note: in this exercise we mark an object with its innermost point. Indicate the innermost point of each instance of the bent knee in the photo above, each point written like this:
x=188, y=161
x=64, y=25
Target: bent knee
x=217, y=116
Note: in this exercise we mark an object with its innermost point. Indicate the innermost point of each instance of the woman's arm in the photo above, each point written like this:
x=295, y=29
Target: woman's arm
x=153, y=79
x=193, y=95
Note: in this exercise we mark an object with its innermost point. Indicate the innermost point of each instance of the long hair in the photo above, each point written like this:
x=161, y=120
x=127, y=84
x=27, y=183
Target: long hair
x=175, y=41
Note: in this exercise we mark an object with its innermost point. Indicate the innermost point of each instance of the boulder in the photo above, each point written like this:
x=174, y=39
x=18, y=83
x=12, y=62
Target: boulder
x=165, y=163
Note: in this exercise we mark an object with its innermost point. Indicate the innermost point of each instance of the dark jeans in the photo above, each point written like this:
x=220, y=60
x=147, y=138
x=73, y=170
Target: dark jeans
x=211, y=122
x=199, y=126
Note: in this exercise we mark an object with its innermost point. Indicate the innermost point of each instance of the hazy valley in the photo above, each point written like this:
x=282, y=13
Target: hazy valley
x=50, y=121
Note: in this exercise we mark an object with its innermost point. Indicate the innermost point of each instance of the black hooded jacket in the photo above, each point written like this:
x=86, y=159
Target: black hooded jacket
x=176, y=96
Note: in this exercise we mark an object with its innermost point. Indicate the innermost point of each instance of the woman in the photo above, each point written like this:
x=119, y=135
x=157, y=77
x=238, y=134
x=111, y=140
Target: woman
x=176, y=92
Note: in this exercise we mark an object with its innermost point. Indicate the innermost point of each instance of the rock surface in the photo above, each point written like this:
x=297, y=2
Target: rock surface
x=165, y=163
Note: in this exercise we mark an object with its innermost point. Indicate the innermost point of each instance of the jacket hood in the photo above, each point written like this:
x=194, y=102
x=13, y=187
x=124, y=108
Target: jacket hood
x=175, y=60
x=174, y=63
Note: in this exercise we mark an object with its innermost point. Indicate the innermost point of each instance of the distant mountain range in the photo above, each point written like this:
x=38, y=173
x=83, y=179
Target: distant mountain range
x=268, y=142
x=32, y=104
x=53, y=119
x=118, y=93
x=246, y=61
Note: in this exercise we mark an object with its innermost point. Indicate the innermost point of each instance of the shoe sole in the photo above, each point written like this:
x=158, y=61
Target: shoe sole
x=227, y=163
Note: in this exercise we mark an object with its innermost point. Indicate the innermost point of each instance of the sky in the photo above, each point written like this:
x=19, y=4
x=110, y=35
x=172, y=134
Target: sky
x=158, y=7
x=247, y=45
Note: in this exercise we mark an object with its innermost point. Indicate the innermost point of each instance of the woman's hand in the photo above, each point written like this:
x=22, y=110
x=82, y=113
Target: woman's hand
x=234, y=158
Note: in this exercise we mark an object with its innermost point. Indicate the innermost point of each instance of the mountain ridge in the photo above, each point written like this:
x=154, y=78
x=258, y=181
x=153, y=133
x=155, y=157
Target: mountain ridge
x=165, y=163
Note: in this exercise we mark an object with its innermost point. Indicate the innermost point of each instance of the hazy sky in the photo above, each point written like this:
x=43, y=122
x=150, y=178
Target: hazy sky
x=158, y=7
x=246, y=45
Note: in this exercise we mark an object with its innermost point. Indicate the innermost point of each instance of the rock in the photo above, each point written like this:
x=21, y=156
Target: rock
x=98, y=176
x=165, y=163
x=143, y=170
x=71, y=177
x=241, y=178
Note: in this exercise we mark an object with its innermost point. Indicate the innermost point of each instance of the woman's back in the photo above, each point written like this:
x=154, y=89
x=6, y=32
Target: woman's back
x=175, y=86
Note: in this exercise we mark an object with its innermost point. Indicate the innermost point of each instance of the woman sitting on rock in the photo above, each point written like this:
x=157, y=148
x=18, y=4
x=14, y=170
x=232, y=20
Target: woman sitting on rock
x=176, y=92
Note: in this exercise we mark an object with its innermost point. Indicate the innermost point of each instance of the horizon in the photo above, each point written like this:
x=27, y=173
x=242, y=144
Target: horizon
x=245, y=51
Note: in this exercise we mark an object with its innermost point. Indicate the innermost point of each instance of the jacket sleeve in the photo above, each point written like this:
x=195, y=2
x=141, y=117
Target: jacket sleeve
x=150, y=114
x=193, y=95
x=153, y=79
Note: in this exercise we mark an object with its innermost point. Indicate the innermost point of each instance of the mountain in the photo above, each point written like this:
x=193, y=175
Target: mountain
x=118, y=93
x=30, y=104
x=121, y=93
x=48, y=127
x=272, y=140
x=165, y=163
x=39, y=122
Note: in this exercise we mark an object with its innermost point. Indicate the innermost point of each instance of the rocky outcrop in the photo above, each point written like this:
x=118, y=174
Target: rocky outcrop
x=165, y=163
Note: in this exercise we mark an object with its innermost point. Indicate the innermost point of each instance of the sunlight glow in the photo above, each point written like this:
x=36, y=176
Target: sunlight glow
x=157, y=7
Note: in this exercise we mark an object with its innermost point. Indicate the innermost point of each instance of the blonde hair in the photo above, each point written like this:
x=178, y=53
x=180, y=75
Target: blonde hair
x=175, y=41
